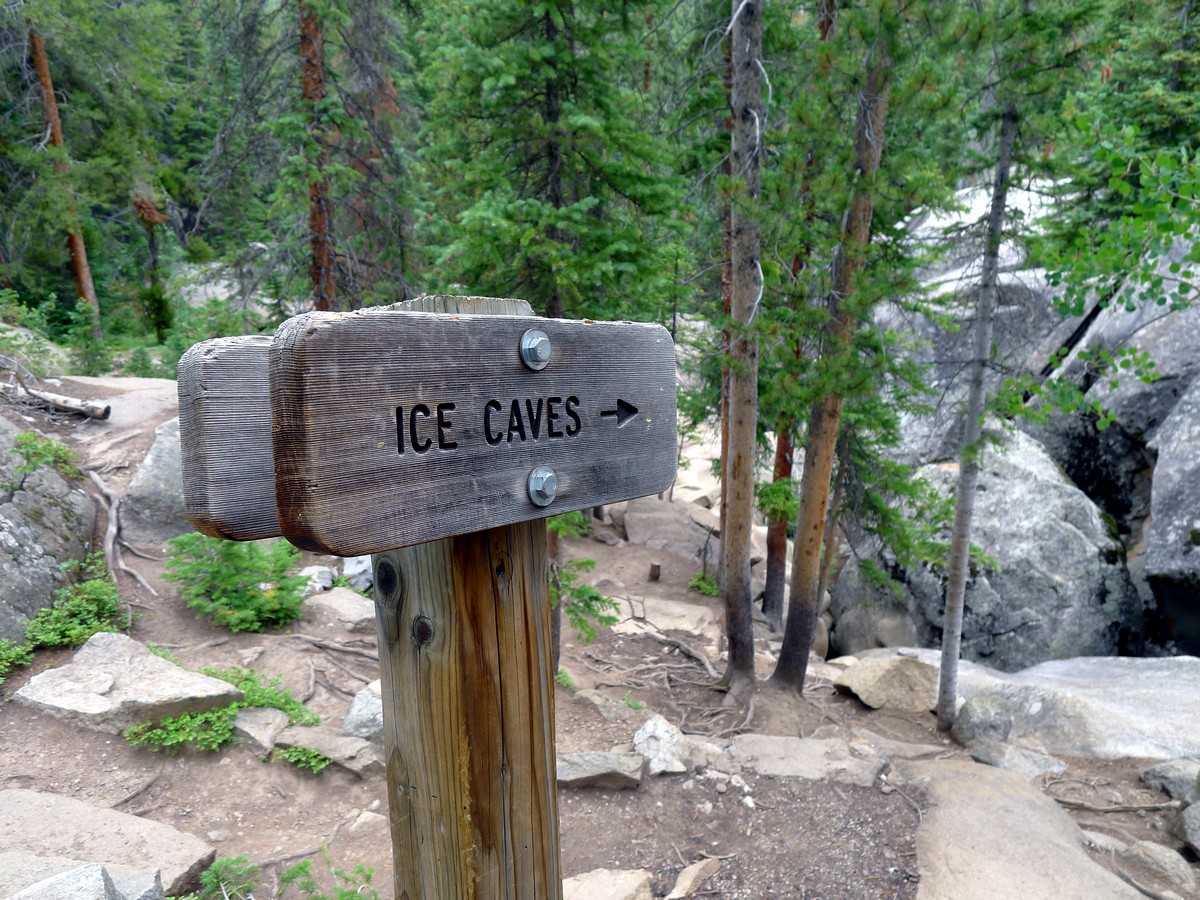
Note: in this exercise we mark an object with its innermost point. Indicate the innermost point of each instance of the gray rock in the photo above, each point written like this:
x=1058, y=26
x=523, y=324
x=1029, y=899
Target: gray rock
x=671, y=526
x=1187, y=827
x=364, y=719
x=320, y=578
x=88, y=882
x=813, y=759
x=610, y=708
x=896, y=682
x=51, y=825
x=590, y=768
x=358, y=570
x=1162, y=862
x=693, y=878
x=1173, y=543
x=257, y=728
x=153, y=509
x=20, y=869
x=1061, y=588
x=144, y=885
x=865, y=617
x=42, y=525
x=114, y=682
x=1177, y=777
x=354, y=611
x=987, y=718
x=1026, y=763
x=351, y=753
x=608, y=884
x=662, y=744
x=987, y=833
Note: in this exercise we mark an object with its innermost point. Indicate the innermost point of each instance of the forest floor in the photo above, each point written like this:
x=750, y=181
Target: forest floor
x=801, y=839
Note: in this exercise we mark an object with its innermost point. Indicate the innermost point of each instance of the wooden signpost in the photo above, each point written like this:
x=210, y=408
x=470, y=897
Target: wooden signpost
x=438, y=437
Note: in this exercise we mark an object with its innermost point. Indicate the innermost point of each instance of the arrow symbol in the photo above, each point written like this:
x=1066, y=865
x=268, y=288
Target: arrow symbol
x=622, y=413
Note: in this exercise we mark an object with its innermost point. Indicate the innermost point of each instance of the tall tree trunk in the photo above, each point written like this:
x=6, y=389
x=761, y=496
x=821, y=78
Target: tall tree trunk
x=831, y=516
x=552, y=114
x=772, y=606
x=323, y=271
x=84, y=288
x=825, y=417
x=745, y=158
x=972, y=447
x=726, y=312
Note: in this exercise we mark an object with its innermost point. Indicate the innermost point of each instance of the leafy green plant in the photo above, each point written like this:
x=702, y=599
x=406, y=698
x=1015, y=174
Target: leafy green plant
x=632, y=702
x=304, y=758
x=140, y=364
x=89, y=354
x=241, y=586
x=584, y=606
x=572, y=525
x=563, y=677
x=213, y=729
x=37, y=452
x=705, y=584
x=343, y=582
x=13, y=655
x=228, y=878
x=79, y=610
x=354, y=885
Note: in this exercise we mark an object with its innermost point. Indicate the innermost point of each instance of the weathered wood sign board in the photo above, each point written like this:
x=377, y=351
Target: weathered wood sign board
x=395, y=428
x=225, y=429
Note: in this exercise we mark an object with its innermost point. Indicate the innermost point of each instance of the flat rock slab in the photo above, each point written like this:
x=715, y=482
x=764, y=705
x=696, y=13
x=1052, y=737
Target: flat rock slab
x=590, y=768
x=257, y=727
x=354, y=754
x=52, y=825
x=988, y=834
x=88, y=882
x=814, y=759
x=114, y=682
x=672, y=615
x=353, y=610
x=1028, y=764
x=608, y=884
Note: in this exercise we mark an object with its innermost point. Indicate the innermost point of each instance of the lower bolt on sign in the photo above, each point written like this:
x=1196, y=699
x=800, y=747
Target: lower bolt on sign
x=393, y=428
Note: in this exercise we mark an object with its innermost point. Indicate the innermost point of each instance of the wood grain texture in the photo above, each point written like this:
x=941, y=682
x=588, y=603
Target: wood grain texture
x=225, y=436
x=393, y=427
x=469, y=717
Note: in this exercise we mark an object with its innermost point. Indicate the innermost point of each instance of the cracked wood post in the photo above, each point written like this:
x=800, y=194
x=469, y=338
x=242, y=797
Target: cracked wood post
x=464, y=638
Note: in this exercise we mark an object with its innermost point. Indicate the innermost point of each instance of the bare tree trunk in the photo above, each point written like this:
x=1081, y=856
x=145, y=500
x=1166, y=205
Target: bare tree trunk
x=552, y=113
x=726, y=312
x=831, y=517
x=745, y=158
x=84, y=288
x=825, y=418
x=323, y=271
x=772, y=606
x=972, y=448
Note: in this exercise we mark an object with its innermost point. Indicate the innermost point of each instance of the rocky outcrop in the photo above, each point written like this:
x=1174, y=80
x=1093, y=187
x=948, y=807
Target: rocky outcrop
x=49, y=825
x=44, y=521
x=153, y=510
x=678, y=527
x=364, y=718
x=1059, y=587
x=594, y=768
x=114, y=682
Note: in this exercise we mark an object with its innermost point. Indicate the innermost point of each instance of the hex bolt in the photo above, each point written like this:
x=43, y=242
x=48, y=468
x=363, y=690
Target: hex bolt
x=543, y=486
x=536, y=349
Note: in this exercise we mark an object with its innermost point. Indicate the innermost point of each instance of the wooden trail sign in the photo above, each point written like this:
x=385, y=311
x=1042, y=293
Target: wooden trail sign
x=393, y=428
x=225, y=429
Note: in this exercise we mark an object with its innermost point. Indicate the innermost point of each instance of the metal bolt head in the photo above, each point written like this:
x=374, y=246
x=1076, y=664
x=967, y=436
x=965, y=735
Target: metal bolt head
x=535, y=349
x=543, y=486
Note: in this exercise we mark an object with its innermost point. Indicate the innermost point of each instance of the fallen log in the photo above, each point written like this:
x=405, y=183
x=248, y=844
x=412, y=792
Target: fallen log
x=93, y=409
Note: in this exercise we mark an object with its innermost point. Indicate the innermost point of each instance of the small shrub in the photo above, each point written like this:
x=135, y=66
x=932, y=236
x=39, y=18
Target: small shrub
x=343, y=582
x=13, y=655
x=705, y=584
x=229, y=878
x=354, y=885
x=584, y=606
x=89, y=355
x=213, y=729
x=140, y=364
x=303, y=758
x=572, y=525
x=243, y=587
x=79, y=610
x=632, y=702
x=563, y=677
x=37, y=452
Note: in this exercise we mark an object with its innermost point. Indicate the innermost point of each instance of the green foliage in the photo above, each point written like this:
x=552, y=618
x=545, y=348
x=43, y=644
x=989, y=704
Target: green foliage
x=213, y=729
x=563, y=677
x=89, y=355
x=89, y=605
x=240, y=586
x=140, y=364
x=777, y=499
x=228, y=878
x=570, y=525
x=584, y=606
x=13, y=655
x=705, y=584
x=342, y=581
x=303, y=758
x=354, y=885
x=37, y=451
x=632, y=702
